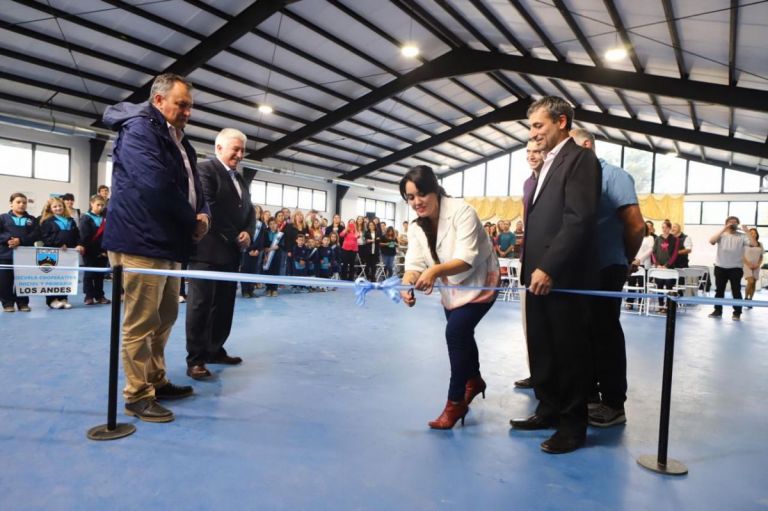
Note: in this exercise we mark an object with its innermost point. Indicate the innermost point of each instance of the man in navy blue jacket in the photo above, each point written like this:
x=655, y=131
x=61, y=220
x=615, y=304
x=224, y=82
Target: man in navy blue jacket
x=156, y=213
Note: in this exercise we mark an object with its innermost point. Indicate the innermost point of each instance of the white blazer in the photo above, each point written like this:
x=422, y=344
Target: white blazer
x=460, y=235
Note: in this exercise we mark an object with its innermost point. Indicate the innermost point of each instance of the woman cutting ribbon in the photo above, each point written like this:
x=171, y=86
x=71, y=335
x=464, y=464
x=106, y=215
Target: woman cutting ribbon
x=447, y=243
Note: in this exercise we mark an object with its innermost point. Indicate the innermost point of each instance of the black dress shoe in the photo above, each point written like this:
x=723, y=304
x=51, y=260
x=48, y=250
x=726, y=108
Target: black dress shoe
x=534, y=422
x=148, y=410
x=226, y=359
x=525, y=383
x=198, y=372
x=171, y=391
x=561, y=443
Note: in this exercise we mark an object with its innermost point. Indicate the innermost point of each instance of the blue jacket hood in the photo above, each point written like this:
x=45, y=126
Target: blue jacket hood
x=115, y=116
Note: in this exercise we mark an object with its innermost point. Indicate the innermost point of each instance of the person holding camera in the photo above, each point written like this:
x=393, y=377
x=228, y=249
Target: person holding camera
x=731, y=242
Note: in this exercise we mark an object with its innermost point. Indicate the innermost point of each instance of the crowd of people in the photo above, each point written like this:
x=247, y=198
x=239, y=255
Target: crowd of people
x=581, y=229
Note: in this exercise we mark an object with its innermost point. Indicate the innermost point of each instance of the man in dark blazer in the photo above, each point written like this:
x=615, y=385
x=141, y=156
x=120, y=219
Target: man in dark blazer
x=559, y=247
x=211, y=303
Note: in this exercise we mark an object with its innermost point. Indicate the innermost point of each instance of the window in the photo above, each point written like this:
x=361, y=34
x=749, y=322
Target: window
x=52, y=163
x=274, y=194
x=736, y=182
x=452, y=184
x=258, y=192
x=290, y=196
x=319, y=200
x=744, y=210
x=762, y=213
x=286, y=196
x=609, y=152
x=714, y=213
x=692, y=213
x=497, y=177
x=108, y=173
x=305, y=198
x=384, y=211
x=15, y=158
x=703, y=178
x=670, y=175
x=520, y=172
x=640, y=165
x=24, y=159
x=474, y=181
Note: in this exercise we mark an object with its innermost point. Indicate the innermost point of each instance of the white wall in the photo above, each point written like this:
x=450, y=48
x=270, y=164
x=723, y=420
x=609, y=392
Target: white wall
x=40, y=190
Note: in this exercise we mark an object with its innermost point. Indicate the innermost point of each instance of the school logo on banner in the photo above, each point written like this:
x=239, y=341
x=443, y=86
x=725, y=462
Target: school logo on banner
x=46, y=259
x=35, y=275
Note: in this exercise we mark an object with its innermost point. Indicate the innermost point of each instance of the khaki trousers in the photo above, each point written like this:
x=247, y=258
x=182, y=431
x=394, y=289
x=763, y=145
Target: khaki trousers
x=151, y=304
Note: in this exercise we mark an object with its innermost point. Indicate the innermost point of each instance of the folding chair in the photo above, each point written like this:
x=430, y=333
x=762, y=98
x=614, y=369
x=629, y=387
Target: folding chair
x=360, y=266
x=692, y=279
x=504, y=295
x=655, y=274
x=640, y=304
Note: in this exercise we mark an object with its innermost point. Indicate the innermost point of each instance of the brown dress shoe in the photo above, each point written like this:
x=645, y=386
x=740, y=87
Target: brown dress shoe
x=198, y=372
x=226, y=359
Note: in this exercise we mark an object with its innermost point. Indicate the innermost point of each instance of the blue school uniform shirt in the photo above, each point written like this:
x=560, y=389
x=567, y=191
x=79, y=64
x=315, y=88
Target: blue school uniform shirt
x=618, y=190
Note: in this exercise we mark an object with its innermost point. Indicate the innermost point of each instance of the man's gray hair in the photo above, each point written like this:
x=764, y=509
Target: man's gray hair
x=165, y=82
x=580, y=135
x=555, y=107
x=228, y=133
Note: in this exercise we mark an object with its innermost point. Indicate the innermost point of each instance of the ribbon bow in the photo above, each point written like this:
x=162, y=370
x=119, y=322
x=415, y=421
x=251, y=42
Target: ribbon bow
x=391, y=288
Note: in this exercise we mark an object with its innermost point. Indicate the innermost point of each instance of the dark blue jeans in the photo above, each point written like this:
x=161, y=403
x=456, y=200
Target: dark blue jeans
x=462, y=348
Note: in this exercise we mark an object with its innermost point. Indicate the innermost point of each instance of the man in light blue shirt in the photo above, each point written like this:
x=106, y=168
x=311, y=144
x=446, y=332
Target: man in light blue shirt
x=620, y=230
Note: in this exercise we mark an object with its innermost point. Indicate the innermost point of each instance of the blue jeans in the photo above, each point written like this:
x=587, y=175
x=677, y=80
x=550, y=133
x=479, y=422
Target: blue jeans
x=389, y=264
x=462, y=348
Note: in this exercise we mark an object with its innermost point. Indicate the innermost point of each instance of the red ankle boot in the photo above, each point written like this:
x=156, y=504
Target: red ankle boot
x=450, y=416
x=474, y=387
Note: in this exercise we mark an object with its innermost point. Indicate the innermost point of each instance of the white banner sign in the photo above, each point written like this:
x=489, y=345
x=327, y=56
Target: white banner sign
x=43, y=280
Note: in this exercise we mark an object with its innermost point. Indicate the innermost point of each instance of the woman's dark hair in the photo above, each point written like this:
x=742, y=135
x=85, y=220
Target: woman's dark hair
x=425, y=181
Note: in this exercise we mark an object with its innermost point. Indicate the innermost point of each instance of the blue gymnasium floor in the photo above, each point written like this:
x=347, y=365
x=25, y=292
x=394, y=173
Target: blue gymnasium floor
x=329, y=411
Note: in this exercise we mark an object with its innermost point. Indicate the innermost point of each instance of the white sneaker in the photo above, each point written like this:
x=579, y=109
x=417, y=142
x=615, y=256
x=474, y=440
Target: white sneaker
x=56, y=304
x=65, y=304
x=182, y=299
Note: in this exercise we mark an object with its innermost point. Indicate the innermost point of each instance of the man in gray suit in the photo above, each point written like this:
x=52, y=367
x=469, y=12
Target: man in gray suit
x=558, y=254
x=211, y=303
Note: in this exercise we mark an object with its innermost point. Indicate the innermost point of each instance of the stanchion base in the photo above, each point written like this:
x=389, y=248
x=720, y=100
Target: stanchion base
x=673, y=467
x=103, y=433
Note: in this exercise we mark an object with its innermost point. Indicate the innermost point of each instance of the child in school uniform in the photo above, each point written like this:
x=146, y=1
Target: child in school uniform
x=272, y=248
x=333, y=244
x=58, y=229
x=17, y=229
x=388, y=244
x=313, y=261
x=299, y=253
x=325, y=256
x=252, y=257
x=91, y=231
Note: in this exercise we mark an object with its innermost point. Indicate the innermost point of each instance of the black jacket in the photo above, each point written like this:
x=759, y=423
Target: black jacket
x=28, y=233
x=231, y=214
x=563, y=218
x=53, y=236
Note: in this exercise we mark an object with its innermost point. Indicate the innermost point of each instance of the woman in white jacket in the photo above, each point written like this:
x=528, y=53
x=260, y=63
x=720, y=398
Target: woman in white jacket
x=447, y=243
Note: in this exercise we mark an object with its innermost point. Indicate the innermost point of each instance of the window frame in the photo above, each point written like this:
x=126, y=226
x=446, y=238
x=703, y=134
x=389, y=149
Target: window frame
x=33, y=148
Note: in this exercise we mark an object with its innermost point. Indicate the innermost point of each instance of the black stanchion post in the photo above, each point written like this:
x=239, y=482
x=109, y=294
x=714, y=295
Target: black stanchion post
x=112, y=430
x=660, y=463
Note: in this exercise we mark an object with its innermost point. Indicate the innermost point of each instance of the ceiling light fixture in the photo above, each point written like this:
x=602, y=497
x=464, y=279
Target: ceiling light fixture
x=409, y=50
x=444, y=167
x=266, y=109
x=616, y=54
